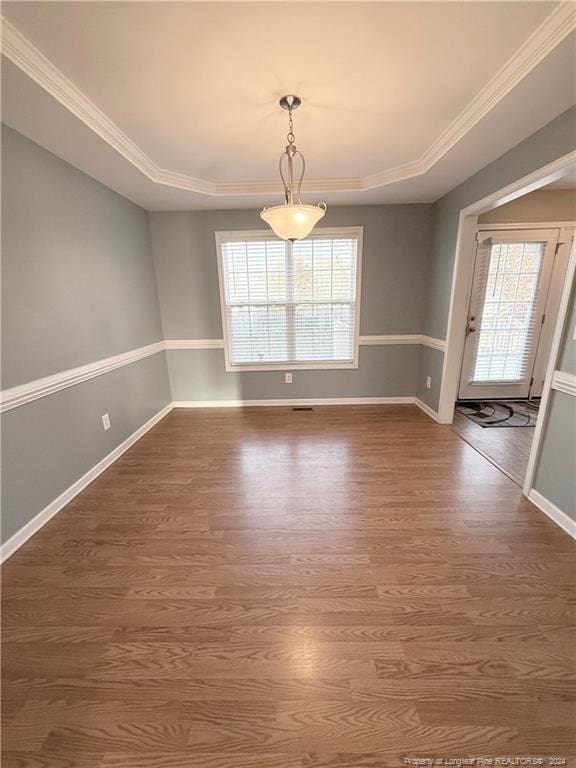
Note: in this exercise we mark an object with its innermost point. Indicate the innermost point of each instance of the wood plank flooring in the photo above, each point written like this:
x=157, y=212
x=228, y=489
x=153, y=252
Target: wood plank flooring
x=348, y=587
x=507, y=447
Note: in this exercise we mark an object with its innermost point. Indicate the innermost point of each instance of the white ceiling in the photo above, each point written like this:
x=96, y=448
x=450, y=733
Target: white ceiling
x=175, y=104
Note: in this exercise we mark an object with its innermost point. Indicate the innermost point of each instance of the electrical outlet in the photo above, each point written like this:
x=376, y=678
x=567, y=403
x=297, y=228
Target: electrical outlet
x=428, y=382
x=106, y=422
x=288, y=378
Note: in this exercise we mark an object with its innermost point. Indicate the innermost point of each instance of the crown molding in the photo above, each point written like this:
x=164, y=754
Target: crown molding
x=39, y=68
x=555, y=28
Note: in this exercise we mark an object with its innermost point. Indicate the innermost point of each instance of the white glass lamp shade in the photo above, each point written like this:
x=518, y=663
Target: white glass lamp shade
x=293, y=221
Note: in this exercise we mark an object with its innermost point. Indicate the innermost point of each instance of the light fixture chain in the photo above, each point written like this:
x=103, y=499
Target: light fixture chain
x=291, y=138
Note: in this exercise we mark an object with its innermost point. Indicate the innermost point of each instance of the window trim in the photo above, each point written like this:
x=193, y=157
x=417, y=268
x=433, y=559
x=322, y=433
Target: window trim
x=222, y=237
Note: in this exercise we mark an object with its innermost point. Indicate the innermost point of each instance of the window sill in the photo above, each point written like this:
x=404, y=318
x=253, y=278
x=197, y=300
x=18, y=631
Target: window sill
x=318, y=366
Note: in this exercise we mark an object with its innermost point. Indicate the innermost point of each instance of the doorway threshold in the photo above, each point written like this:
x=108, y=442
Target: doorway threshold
x=506, y=449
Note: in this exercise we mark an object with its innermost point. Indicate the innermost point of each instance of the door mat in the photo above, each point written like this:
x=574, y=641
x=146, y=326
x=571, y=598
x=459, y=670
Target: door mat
x=500, y=413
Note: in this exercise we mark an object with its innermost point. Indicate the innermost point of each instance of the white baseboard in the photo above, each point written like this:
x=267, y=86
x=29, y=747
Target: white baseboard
x=289, y=402
x=32, y=526
x=427, y=410
x=553, y=512
x=408, y=400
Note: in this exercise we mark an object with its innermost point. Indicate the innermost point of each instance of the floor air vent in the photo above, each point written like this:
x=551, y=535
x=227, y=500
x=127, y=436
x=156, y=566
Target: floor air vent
x=302, y=408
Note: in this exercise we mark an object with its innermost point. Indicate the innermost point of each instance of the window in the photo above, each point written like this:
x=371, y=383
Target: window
x=290, y=305
x=507, y=330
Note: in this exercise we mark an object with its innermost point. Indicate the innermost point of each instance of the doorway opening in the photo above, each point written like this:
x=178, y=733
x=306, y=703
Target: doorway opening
x=520, y=265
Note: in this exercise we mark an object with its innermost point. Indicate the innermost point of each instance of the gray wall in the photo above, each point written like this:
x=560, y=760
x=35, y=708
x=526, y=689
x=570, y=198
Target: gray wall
x=78, y=285
x=80, y=255
x=555, y=476
x=50, y=443
x=556, y=139
x=394, y=271
x=385, y=371
x=431, y=361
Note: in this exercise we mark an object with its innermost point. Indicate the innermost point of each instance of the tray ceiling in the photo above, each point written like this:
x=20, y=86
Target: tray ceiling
x=175, y=104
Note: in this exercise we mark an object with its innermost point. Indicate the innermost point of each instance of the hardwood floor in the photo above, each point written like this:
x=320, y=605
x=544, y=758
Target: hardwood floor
x=264, y=588
x=507, y=447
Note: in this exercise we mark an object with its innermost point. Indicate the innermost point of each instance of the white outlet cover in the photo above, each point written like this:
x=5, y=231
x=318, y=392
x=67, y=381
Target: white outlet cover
x=428, y=382
x=288, y=378
x=106, y=421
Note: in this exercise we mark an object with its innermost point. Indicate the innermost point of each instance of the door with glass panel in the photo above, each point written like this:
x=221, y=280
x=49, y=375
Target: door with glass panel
x=512, y=275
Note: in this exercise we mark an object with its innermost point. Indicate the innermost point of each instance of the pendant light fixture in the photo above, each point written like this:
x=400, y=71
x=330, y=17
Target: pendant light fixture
x=293, y=220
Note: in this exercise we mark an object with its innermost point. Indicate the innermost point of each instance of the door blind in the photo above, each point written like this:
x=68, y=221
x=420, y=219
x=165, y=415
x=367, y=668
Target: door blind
x=506, y=323
x=291, y=303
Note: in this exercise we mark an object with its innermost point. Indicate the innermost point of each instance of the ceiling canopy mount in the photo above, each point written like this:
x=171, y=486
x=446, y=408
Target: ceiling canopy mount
x=290, y=102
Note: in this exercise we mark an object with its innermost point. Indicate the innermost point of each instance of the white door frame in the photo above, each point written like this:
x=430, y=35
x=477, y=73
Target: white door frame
x=563, y=311
x=464, y=266
x=505, y=389
x=555, y=291
x=460, y=291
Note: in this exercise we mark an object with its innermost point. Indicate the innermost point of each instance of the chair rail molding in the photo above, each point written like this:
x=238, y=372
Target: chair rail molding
x=33, y=390
x=545, y=38
x=194, y=343
x=429, y=341
x=412, y=338
x=365, y=341
x=564, y=382
x=22, y=394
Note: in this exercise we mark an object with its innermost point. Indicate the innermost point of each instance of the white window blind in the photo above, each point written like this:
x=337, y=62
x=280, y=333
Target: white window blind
x=506, y=325
x=290, y=304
